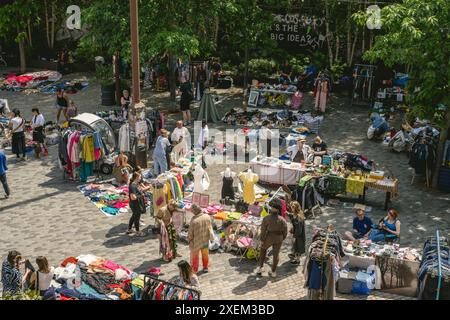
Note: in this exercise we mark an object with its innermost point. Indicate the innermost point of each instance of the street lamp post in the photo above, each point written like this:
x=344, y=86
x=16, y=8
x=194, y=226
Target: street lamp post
x=137, y=107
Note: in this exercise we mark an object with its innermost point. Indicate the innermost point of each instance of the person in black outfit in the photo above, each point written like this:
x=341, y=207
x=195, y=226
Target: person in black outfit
x=297, y=218
x=137, y=202
x=186, y=98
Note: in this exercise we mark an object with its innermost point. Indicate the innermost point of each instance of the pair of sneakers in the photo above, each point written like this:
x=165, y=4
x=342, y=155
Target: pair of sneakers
x=260, y=270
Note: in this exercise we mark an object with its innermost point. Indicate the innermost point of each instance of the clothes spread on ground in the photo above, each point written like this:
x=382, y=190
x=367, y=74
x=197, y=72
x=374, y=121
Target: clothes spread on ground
x=88, y=277
x=109, y=199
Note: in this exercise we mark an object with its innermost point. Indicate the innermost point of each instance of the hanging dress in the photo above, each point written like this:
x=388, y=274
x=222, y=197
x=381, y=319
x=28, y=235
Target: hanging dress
x=227, y=188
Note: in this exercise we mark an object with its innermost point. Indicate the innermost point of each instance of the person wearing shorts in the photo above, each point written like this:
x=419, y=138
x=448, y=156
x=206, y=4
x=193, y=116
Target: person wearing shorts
x=62, y=102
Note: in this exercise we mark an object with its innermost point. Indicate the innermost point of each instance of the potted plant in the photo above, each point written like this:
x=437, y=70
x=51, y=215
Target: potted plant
x=104, y=75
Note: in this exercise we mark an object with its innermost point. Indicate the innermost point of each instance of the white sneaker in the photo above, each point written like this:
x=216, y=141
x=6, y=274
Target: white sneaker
x=259, y=271
x=272, y=274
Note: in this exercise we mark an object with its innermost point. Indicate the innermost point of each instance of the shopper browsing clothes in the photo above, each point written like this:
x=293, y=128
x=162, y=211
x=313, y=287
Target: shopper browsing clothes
x=17, y=125
x=62, y=102
x=160, y=164
x=361, y=226
x=199, y=234
x=37, y=124
x=168, y=234
x=188, y=278
x=181, y=141
x=122, y=170
x=297, y=218
x=3, y=169
x=137, y=203
x=273, y=232
x=388, y=228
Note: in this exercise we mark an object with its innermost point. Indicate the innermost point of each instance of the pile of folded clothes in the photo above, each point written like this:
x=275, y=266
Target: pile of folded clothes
x=88, y=277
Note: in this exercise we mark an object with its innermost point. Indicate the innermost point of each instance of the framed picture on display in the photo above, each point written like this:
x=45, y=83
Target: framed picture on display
x=196, y=198
x=253, y=98
x=204, y=200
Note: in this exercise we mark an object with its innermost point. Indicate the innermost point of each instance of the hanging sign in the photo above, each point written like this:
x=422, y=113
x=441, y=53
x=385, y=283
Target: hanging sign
x=298, y=31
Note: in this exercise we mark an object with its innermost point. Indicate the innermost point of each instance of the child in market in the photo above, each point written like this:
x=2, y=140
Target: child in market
x=297, y=218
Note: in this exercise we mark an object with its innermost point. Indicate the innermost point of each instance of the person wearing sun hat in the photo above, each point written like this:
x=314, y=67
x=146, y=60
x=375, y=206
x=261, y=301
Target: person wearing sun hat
x=300, y=151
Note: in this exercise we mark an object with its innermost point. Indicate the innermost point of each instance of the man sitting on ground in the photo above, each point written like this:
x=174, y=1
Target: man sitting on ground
x=361, y=226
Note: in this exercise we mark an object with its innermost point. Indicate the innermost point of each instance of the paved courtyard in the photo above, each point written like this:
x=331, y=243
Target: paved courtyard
x=48, y=216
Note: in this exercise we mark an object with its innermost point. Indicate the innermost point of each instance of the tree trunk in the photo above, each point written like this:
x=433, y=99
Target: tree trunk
x=216, y=33
x=336, y=57
x=349, y=36
x=352, y=54
x=329, y=35
x=30, y=40
x=47, y=26
x=23, y=61
x=440, y=153
x=52, y=35
x=117, y=78
x=172, y=80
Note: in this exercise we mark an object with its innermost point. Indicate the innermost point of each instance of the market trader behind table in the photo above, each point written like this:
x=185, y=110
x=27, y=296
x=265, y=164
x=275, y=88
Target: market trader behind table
x=319, y=149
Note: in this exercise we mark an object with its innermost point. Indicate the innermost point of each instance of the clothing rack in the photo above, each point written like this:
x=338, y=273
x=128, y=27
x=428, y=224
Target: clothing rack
x=148, y=277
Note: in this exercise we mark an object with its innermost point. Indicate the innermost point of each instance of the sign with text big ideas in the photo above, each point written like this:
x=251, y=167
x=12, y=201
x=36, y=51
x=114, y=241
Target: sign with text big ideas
x=298, y=31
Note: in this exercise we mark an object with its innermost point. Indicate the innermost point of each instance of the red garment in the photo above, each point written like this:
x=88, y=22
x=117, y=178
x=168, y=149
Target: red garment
x=64, y=298
x=283, y=208
x=180, y=181
x=114, y=266
x=69, y=260
x=158, y=292
x=120, y=205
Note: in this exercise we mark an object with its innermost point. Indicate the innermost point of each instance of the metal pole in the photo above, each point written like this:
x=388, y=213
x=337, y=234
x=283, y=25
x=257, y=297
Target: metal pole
x=136, y=105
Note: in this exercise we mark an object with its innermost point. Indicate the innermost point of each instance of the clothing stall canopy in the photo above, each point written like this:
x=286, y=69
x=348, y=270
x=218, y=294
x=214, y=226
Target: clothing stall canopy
x=91, y=122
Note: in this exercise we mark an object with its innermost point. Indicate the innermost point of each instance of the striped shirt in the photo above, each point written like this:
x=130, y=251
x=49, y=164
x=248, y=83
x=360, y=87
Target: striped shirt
x=11, y=279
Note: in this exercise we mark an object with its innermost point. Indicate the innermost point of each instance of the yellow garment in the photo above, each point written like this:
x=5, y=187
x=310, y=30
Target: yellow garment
x=138, y=282
x=262, y=198
x=169, y=194
x=355, y=185
x=264, y=212
x=249, y=187
x=88, y=149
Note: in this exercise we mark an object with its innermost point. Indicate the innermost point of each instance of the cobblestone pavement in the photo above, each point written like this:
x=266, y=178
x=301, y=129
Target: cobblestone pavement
x=46, y=216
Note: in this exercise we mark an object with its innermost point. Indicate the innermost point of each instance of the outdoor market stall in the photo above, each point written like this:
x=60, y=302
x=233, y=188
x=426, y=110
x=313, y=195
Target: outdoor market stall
x=395, y=268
